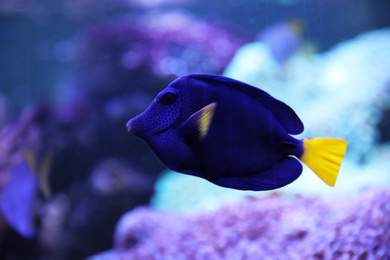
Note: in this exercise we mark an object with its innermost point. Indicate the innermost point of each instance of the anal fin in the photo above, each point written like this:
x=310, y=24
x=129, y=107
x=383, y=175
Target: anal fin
x=283, y=173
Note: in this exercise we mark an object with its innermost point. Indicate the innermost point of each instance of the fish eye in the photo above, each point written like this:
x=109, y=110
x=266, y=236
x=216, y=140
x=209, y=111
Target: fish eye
x=168, y=98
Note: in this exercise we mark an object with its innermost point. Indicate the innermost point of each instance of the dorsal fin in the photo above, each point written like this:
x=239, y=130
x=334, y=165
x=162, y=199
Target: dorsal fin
x=282, y=112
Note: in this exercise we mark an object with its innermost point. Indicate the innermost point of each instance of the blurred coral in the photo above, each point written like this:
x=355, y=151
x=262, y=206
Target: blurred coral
x=112, y=56
x=275, y=227
x=76, y=223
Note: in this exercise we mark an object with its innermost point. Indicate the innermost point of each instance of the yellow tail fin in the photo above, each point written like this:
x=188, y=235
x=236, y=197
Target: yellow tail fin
x=323, y=156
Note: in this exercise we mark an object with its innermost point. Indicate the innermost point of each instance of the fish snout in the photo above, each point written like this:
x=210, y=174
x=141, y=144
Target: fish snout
x=130, y=127
x=138, y=127
x=134, y=127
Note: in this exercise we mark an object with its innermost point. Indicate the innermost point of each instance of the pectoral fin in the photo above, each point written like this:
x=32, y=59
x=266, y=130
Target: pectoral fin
x=198, y=124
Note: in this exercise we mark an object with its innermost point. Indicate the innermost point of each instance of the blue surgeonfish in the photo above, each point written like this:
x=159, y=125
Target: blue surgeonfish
x=233, y=135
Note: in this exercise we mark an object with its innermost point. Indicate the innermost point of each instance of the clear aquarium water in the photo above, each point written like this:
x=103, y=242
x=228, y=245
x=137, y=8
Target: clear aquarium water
x=74, y=184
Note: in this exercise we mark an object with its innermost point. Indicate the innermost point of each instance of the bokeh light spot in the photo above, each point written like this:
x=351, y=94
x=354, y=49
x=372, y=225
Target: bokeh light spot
x=64, y=51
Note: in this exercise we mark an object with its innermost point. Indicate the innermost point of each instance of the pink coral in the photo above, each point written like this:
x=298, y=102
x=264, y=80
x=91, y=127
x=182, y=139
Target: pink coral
x=276, y=227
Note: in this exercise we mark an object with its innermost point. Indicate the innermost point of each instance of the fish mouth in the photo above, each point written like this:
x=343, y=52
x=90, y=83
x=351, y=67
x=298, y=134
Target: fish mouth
x=130, y=129
x=133, y=130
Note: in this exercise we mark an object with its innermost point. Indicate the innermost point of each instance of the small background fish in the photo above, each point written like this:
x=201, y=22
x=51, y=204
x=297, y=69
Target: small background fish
x=233, y=135
x=18, y=197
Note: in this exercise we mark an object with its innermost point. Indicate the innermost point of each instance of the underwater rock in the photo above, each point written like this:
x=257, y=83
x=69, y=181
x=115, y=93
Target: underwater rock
x=355, y=227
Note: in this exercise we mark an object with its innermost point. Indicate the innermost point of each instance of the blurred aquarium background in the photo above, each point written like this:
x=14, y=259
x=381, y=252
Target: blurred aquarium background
x=73, y=72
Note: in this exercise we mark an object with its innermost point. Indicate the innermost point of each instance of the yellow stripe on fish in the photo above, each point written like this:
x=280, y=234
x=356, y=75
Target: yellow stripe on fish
x=204, y=120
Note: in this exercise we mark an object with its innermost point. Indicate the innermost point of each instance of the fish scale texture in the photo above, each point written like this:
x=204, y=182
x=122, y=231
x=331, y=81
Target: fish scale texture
x=275, y=227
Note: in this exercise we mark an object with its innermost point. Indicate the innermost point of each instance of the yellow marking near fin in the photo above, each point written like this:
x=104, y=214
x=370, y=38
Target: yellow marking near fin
x=323, y=156
x=204, y=120
x=42, y=170
x=30, y=159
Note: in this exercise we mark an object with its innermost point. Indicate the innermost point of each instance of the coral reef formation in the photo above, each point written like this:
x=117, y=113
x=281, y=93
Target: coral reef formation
x=275, y=227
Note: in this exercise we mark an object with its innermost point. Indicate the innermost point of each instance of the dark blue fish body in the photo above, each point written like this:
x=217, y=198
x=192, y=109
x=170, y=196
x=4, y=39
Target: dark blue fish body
x=225, y=131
